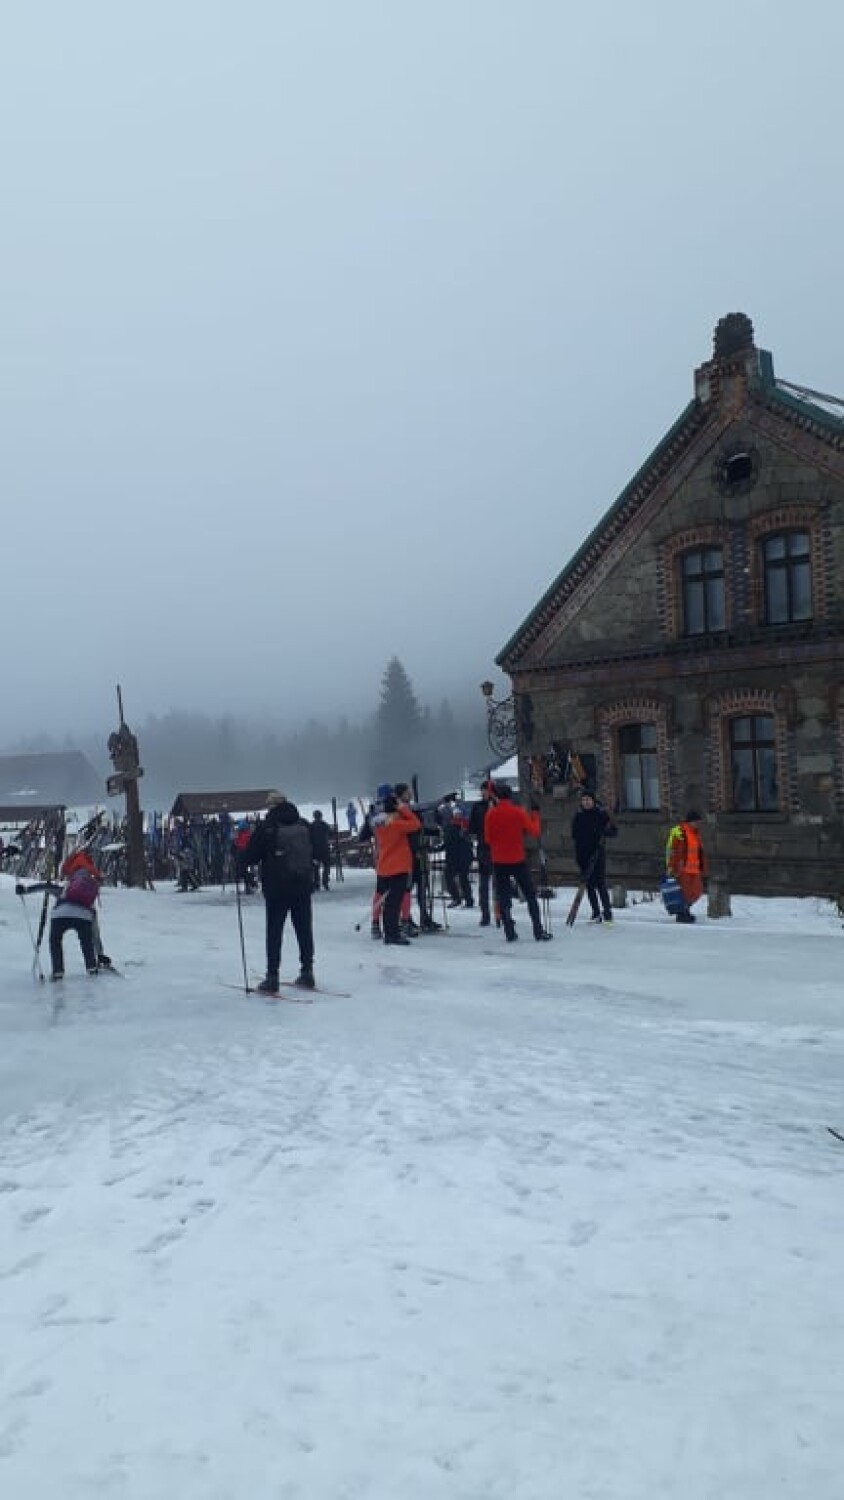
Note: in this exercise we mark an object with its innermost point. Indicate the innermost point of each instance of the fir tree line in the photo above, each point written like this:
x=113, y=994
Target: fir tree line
x=190, y=751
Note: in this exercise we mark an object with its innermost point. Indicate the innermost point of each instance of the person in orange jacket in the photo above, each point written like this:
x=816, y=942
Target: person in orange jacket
x=394, y=866
x=505, y=827
x=685, y=859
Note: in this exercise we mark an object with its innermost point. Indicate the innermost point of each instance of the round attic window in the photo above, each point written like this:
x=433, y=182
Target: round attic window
x=736, y=472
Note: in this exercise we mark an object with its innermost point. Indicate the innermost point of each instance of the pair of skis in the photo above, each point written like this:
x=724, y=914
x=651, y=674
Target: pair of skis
x=299, y=995
x=581, y=889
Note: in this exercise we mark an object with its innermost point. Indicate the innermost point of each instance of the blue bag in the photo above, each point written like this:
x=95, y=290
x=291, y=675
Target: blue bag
x=672, y=895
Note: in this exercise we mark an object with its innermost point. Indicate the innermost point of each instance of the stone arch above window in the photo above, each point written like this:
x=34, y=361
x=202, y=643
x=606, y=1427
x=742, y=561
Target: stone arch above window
x=785, y=521
x=670, y=583
x=621, y=749
x=748, y=741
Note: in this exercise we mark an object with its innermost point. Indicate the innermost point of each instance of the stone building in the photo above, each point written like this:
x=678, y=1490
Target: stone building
x=694, y=645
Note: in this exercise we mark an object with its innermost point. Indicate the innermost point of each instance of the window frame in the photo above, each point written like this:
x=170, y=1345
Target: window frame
x=649, y=785
x=753, y=747
x=786, y=566
x=706, y=576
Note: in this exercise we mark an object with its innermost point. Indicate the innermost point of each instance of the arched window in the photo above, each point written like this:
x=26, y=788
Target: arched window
x=787, y=577
x=753, y=763
x=637, y=754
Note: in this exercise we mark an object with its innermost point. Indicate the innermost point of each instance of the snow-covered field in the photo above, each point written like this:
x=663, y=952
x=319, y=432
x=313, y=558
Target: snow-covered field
x=529, y=1223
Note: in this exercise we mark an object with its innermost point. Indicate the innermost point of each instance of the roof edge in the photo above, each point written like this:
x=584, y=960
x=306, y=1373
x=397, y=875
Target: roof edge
x=511, y=649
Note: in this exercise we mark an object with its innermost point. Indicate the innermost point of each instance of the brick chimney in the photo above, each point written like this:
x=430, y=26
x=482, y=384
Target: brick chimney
x=734, y=364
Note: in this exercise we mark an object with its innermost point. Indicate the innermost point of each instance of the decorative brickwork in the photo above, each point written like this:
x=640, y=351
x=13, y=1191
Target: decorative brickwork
x=735, y=705
x=669, y=578
x=637, y=711
x=810, y=518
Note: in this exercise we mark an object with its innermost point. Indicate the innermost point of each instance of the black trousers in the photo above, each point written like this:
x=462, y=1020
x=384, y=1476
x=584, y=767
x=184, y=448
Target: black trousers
x=392, y=888
x=298, y=905
x=84, y=931
x=459, y=885
x=420, y=879
x=596, y=885
x=322, y=872
x=520, y=873
x=484, y=878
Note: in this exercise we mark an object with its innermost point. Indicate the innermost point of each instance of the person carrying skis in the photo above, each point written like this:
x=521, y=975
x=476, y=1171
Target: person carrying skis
x=281, y=845
x=685, y=859
x=393, y=828
x=420, y=873
x=321, y=845
x=505, y=827
x=590, y=826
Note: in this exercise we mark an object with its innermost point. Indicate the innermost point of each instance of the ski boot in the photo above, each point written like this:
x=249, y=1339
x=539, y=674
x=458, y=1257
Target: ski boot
x=306, y=980
x=269, y=986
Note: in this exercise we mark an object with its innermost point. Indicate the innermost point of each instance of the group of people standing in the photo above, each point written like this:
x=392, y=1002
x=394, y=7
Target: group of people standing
x=499, y=827
x=294, y=857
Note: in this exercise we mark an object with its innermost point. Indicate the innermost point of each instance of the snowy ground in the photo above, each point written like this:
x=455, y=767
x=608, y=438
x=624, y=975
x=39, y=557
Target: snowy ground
x=540, y=1223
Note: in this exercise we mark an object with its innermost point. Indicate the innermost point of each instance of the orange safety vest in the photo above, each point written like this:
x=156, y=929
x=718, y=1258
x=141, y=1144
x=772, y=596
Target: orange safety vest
x=685, y=851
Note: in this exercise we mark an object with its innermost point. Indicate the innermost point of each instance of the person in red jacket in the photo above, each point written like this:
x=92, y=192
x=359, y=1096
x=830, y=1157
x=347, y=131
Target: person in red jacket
x=505, y=827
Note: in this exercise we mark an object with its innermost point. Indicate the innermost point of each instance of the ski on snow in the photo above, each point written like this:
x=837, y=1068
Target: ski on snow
x=305, y=997
x=839, y=1134
x=301, y=996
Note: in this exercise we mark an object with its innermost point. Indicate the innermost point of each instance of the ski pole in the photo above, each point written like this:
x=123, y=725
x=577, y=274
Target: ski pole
x=37, y=971
x=247, y=986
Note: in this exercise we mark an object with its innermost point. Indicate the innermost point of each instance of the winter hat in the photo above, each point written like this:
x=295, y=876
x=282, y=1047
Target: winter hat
x=382, y=791
x=693, y=816
x=274, y=799
x=287, y=813
x=587, y=791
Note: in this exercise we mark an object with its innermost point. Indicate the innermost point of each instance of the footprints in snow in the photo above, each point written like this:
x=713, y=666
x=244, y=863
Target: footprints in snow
x=159, y=1192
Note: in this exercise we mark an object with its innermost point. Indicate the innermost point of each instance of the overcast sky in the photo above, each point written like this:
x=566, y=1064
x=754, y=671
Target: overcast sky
x=328, y=330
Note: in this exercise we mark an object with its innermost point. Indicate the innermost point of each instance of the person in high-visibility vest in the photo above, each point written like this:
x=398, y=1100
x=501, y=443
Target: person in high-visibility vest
x=685, y=859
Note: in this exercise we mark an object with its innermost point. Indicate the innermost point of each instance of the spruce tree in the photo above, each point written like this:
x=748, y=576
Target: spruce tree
x=398, y=727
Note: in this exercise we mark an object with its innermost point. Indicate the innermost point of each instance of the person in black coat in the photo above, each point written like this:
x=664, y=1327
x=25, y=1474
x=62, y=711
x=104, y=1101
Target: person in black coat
x=281, y=845
x=477, y=817
x=458, y=861
x=321, y=844
x=590, y=826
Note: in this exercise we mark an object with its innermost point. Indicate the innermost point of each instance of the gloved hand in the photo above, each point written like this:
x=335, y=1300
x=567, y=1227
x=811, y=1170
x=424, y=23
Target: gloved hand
x=20, y=890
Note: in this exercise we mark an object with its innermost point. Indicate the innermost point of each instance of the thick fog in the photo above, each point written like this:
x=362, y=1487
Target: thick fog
x=329, y=330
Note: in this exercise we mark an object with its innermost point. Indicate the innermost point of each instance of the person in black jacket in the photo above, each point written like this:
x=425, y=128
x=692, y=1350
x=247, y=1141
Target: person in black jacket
x=477, y=816
x=589, y=828
x=281, y=845
x=322, y=851
x=458, y=860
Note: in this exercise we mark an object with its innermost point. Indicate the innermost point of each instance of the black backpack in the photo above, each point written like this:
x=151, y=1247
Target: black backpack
x=291, y=858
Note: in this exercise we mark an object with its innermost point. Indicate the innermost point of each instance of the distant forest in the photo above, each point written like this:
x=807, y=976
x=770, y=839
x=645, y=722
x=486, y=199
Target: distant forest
x=315, y=761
